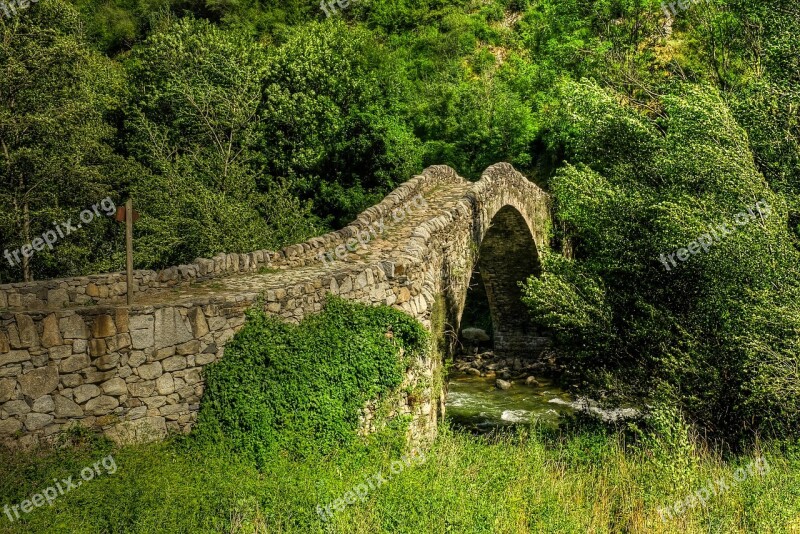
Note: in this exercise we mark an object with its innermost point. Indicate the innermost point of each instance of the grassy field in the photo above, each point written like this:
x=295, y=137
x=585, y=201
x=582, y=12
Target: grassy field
x=584, y=481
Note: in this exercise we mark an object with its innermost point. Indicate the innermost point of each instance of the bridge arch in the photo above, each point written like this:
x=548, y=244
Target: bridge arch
x=498, y=228
x=507, y=256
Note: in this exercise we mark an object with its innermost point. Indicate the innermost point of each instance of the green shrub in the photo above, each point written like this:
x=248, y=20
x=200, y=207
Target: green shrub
x=300, y=388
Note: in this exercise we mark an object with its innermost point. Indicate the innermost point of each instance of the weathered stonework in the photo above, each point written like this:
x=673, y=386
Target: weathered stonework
x=135, y=372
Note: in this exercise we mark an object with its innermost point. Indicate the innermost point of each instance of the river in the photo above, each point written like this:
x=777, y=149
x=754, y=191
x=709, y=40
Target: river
x=475, y=404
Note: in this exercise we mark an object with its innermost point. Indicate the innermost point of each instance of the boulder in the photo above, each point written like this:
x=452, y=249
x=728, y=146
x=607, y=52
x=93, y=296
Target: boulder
x=502, y=384
x=475, y=335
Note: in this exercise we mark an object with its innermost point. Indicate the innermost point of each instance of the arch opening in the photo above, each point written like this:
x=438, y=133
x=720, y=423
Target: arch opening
x=500, y=378
x=508, y=256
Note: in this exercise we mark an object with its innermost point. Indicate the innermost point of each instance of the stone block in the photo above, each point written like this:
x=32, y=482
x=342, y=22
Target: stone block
x=204, y=359
x=164, y=353
x=197, y=320
x=39, y=382
x=36, y=421
x=16, y=407
x=39, y=359
x=136, y=413
x=136, y=358
x=10, y=370
x=4, y=346
x=107, y=362
x=7, y=387
x=190, y=347
x=115, y=386
x=57, y=298
x=170, y=328
x=150, y=371
x=75, y=363
x=142, y=331
x=165, y=385
x=102, y=405
x=60, y=352
x=144, y=430
x=28, y=336
x=120, y=341
x=73, y=327
x=103, y=326
x=122, y=320
x=95, y=377
x=193, y=377
x=43, y=404
x=92, y=290
x=51, y=336
x=15, y=356
x=13, y=337
x=64, y=407
x=71, y=381
x=171, y=409
x=97, y=347
x=217, y=323
x=141, y=389
x=176, y=363
x=85, y=392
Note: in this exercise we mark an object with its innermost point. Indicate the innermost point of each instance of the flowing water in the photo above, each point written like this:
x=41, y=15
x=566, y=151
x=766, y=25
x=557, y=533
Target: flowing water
x=475, y=404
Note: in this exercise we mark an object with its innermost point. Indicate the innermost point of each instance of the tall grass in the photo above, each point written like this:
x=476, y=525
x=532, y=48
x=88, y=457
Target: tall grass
x=585, y=481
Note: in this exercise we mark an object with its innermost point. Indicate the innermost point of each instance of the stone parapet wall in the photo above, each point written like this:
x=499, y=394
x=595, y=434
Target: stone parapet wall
x=111, y=288
x=136, y=373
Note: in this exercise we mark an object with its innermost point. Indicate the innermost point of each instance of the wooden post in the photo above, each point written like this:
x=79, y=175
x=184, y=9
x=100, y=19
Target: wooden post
x=129, y=248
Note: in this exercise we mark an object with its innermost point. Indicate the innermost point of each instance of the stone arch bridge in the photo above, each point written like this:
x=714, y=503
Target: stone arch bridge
x=72, y=351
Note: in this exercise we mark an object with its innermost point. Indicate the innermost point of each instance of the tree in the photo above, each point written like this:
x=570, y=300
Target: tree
x=56, y=156
x=194, y=123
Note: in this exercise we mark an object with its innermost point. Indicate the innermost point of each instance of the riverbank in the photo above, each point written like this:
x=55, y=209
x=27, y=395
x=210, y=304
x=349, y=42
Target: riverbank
x=576, y=481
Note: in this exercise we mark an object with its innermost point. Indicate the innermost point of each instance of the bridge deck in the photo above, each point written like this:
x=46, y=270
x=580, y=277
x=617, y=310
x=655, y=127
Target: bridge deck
x=384, y=246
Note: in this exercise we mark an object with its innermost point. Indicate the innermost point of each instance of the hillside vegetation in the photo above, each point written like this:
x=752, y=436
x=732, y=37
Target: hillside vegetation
x=670, y=143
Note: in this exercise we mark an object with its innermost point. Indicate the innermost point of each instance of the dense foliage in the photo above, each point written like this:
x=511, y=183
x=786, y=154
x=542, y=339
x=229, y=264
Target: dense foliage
x=240, y=125
x=301, y=388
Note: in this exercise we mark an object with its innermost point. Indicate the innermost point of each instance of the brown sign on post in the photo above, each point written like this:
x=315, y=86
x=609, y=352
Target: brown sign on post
x=120, y=215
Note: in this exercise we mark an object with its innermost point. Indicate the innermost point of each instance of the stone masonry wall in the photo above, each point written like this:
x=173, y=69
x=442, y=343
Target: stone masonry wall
x=135, y=374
